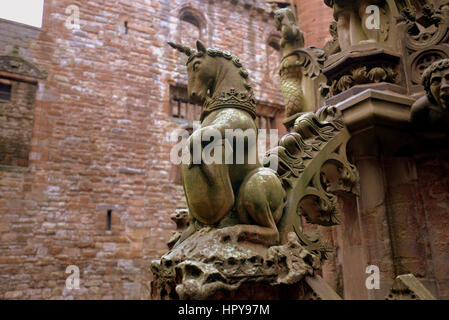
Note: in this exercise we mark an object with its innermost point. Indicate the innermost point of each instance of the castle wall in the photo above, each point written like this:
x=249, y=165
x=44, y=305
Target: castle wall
x=100, y=141
x=314, y=18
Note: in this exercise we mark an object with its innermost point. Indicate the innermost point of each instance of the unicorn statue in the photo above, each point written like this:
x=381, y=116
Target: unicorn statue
x=218, y=81
x=244, y=216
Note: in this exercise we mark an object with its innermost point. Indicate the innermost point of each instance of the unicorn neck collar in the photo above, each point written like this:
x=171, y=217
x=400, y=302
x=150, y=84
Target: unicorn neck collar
x=230, y=99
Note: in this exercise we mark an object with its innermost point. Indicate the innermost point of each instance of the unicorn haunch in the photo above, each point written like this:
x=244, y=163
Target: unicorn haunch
x=243, y=200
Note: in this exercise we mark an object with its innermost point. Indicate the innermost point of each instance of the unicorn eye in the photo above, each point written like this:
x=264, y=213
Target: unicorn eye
x=196, y=65
x=435, y=80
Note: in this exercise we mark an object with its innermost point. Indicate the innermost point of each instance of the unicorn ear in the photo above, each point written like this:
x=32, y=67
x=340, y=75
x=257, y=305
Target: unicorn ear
x=200, y=46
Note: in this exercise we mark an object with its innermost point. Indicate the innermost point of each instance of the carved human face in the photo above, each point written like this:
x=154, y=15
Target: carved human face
x=283, y=16
x=439, y=87
x=201, y=76
x=278, y=18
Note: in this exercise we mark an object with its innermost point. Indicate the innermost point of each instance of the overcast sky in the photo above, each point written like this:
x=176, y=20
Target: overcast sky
x=23, y=11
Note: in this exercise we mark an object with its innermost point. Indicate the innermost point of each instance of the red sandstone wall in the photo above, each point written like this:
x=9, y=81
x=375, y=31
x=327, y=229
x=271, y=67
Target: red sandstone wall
x=433, y=177
x=314, y=18
x=101, y=141
x=405, y=233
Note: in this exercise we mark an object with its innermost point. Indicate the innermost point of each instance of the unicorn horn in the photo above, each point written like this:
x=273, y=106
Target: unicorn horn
x=186, y=50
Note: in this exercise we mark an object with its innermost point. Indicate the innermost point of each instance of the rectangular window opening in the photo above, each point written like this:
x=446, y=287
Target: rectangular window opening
x=181, y=107
x=108, y=220
x=5, y=92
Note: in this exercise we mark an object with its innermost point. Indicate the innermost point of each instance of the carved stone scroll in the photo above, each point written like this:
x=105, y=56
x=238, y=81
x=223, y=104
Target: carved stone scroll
x=313, y=167
x=13, y=62
x=407, y=287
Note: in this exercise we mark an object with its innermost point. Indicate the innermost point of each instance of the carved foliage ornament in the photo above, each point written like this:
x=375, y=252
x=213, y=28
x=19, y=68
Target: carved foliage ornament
x=362, y=75
x=204, y=267
x=332, y=46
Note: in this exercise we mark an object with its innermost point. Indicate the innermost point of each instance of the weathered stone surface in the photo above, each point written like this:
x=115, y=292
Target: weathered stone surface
x=16, y=124
x=211, y=264
x=407, y=287
x=433, y=174
x=314, y=18
x=181, y=218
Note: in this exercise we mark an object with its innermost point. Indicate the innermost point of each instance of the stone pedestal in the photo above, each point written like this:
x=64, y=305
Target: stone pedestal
x=212, y=265
x=387, y=224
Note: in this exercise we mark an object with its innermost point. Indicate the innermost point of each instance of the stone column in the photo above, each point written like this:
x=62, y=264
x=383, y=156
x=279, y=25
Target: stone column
x=378, y=121
x=373, y=213
x=403, y=205
x=352, y=256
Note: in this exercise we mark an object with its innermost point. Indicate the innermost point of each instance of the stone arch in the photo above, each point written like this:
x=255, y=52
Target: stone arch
x=189, y=14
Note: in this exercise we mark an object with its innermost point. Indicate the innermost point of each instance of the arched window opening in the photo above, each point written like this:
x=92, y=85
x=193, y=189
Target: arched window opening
x=191, y=26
